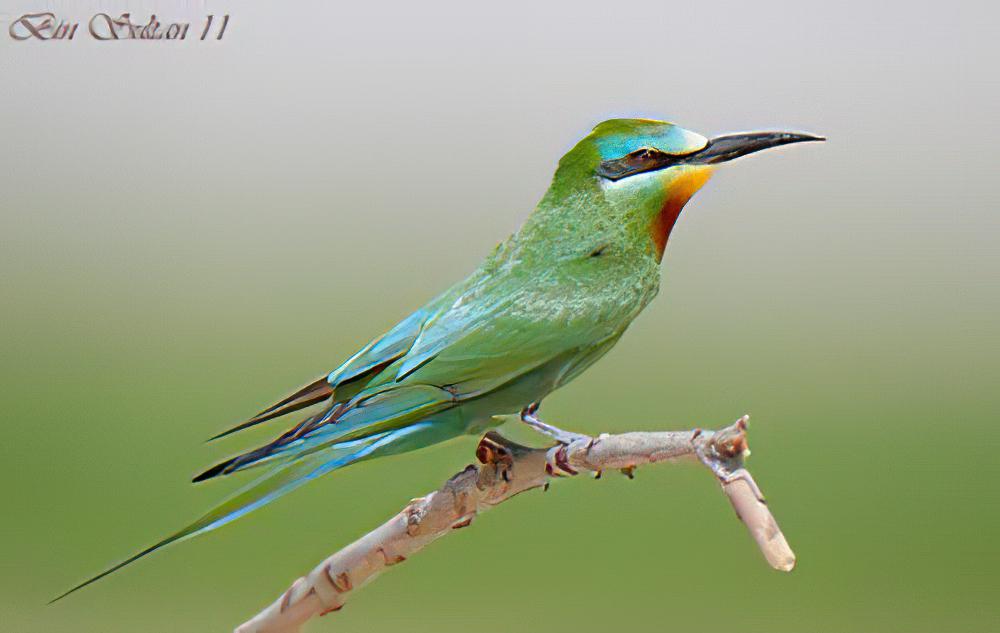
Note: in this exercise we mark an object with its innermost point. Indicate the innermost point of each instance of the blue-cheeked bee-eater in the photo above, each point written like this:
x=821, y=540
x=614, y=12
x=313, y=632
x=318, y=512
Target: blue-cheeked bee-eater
x=545, y=305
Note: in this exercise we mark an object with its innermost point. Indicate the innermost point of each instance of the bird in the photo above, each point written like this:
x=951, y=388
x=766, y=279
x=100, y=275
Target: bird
x=547, y=303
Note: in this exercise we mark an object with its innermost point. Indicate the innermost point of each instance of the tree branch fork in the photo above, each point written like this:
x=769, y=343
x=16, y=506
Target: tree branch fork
x=504, y=470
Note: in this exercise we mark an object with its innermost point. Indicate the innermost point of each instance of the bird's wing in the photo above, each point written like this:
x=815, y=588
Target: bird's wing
x=469, y=344
x=488, y=357
x=495, y=333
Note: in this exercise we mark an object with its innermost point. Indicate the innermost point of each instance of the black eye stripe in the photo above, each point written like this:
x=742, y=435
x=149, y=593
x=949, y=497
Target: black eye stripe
x=637, y=162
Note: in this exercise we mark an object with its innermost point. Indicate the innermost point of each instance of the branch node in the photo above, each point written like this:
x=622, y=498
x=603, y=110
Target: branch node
x=461, y=524
x=286, y=597
x=329, y=593
x=497, y=451
x=331, y=610
x=340, y=583
x=557, y=460
x=414, y=513
x=388, y=559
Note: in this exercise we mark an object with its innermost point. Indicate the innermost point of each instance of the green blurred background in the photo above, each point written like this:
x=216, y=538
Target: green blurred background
x=190, y=230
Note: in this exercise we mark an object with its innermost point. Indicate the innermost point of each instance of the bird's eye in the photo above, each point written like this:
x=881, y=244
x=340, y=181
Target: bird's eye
x=641, y=160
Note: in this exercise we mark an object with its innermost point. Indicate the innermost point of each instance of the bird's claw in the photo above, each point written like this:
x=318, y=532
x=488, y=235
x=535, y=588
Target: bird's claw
x=557, y=458
x=744, y=474
x=529, y=416
x=727, y=474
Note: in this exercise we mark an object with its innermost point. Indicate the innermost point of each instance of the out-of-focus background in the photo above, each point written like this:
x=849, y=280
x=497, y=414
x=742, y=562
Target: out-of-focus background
x=189, y=230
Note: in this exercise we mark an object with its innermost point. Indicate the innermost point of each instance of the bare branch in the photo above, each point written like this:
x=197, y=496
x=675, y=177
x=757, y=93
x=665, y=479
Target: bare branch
x=506, y=469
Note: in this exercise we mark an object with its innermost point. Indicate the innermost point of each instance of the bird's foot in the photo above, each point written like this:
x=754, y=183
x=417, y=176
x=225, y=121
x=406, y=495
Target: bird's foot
x=727, y=477
x=556, y=459
x=728, y=467
x=530, y=417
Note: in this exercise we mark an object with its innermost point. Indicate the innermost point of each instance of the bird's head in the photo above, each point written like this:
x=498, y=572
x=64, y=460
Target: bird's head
x=637, y=174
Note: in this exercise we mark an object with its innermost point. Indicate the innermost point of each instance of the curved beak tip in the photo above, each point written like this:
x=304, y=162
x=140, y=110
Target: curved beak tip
x=810, y=137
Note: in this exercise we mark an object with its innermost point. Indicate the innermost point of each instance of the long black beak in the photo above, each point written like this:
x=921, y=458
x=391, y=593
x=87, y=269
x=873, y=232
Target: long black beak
x=718, y=150
x=725, y=148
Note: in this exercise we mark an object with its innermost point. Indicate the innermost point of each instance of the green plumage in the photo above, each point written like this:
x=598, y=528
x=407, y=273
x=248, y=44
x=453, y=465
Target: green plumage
x=549, y=301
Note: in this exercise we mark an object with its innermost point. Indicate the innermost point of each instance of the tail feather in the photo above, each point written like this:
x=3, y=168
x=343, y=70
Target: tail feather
x=215, y=471
x=264, y=490
x=309, y=395
x=261, y=454
x=339, y=422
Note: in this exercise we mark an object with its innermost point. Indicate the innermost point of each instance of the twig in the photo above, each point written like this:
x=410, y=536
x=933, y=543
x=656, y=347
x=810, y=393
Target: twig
x=506, y=469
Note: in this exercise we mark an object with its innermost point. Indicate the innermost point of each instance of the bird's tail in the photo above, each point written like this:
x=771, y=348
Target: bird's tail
x=313, y=393
x=268, y=488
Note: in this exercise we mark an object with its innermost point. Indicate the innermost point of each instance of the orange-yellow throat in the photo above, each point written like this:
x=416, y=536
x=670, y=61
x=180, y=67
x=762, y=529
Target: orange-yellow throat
x=680, y=190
